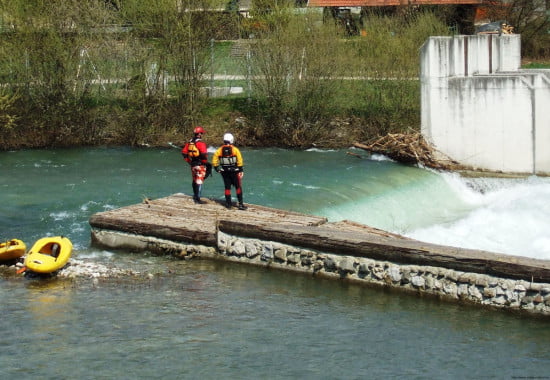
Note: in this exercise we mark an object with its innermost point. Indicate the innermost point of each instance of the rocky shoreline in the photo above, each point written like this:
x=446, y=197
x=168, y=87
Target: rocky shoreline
x=77, y=269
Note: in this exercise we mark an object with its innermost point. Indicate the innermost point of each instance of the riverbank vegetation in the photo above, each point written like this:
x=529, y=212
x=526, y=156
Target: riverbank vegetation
x=144, y=73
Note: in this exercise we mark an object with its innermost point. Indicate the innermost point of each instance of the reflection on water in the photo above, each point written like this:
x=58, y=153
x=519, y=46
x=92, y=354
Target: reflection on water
x=48, y=306
x=48, y=298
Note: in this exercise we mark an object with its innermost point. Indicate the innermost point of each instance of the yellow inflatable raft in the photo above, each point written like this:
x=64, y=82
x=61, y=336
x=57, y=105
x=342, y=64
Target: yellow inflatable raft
x=49, y=254
x=12, y=249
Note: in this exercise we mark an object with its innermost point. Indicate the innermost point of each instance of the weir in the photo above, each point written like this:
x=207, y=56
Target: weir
x=480, y=109
x=344, y=250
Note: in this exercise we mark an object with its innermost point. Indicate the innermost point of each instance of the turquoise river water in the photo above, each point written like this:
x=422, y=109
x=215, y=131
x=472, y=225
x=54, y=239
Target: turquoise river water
x=203, y=319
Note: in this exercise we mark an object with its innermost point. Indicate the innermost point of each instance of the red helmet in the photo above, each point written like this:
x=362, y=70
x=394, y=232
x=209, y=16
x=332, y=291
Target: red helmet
x=199, y=129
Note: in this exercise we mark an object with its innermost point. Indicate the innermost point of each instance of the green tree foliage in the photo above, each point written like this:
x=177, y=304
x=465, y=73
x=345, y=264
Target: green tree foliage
x=132, y=71
x=172, y=45
x=7, y=116
x=294, y=71
x=531, y=18
x=313, y=82
x=387, y=57
x=91, y=71
x=43, y=41
x=389, y=48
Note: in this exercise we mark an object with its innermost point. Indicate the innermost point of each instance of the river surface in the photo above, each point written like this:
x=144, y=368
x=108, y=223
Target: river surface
x=203, y=319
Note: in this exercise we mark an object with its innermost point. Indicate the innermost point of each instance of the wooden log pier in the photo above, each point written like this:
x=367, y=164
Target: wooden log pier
x=177, y=218
x=343, y=250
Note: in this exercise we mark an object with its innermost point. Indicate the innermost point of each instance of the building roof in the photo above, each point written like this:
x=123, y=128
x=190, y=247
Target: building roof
x=383, y=3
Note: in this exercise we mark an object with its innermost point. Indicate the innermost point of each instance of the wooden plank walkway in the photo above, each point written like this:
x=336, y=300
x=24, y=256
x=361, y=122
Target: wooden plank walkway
x=177, y=218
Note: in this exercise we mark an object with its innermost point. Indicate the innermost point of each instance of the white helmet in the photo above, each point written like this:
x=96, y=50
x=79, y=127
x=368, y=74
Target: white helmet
x=228, y=137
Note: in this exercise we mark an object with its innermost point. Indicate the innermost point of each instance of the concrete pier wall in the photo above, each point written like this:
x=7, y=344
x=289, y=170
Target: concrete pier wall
x=480, y=109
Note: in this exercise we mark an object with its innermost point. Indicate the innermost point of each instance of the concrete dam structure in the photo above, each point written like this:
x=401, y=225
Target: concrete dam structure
x=480, y=109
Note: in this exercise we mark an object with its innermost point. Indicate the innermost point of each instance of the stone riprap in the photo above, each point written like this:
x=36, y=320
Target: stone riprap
x=449, y=284
x=444, y=283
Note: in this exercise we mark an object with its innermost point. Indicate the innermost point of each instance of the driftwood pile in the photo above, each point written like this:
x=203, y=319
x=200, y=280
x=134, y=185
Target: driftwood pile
x=409, y=148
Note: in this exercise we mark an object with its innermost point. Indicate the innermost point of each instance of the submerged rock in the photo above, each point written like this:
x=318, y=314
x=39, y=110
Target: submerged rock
x=74, y=269
x=79, y=268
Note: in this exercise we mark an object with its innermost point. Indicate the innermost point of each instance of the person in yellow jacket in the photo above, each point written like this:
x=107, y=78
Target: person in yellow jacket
x=228, y=161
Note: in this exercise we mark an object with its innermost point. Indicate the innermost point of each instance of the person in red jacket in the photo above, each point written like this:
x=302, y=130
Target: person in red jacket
x=195, y=152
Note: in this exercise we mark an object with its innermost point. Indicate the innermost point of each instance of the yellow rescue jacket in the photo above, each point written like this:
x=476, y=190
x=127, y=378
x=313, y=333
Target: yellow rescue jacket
x=228, y=156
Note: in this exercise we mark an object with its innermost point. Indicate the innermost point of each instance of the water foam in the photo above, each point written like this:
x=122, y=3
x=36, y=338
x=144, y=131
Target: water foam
x=61, y=215
x=510, y=216
x=507, y=216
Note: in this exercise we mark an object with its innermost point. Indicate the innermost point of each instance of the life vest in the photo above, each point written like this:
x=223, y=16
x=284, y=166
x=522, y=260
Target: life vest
x=228, y=158
x=192, y=150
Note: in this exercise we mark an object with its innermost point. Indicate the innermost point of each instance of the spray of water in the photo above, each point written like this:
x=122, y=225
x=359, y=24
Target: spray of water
x=507, y=216
x=510, y=216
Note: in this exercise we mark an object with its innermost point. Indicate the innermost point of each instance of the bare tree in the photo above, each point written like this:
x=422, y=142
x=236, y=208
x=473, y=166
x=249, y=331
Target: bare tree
x=530, y=19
